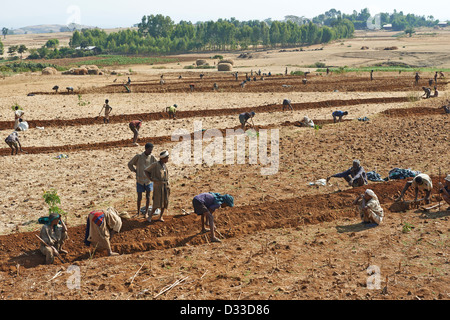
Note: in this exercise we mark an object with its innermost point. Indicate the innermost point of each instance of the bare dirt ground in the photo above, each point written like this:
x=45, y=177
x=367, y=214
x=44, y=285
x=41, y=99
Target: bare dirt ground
x=284, y=239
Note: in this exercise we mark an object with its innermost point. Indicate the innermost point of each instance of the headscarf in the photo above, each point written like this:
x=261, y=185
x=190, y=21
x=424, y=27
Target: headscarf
x=48, y=220
x=164, y=154
x=372, y=194
x=226, y=198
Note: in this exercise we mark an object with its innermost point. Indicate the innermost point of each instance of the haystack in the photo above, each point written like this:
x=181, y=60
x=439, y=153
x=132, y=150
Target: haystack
x=92, y=69
x=49, y=71
x=224, y=67
x=227, y=61
x=201, y=62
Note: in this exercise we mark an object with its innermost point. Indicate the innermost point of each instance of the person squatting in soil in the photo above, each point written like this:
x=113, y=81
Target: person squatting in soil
x=101, y=226
x=369, y=207
x=143, y=184
x=54, y=234
x=355, y=176
x=421, y=182
x=205, y=204
x=158, y=173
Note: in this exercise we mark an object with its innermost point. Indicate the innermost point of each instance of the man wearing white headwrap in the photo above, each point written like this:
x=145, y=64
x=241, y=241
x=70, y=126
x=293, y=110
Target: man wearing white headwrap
x=158, y=173
x=369, y=207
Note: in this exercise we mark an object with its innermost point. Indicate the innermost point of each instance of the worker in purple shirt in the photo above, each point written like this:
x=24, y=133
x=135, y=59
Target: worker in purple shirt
x=205, y=204
x=355, y=176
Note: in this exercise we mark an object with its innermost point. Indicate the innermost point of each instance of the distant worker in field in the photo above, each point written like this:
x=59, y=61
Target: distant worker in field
x=287, y=105
x=18, y=114
x=205, y=204
x=417, y=78
x=436, y=93
x=54, y=234
x=143, y=184
x=245, y=117
x=307, y=122
x=13, y=142
x=446, y=109
x=128, y=81
x=215, y=87
x=355, y=176
x=435, y=77
x=371, y=75
x=421, y=182
x=135, y=126
x=445, y=190
x=101, y=226
x=108, y=109
x=430, y=82
x=338, y=114
x=172, y=110
x=369, y=207
x=158, y=173
x=191, y=87
x=427, y=92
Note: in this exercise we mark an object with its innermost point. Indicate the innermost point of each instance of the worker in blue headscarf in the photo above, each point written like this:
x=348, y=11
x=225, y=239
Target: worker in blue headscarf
x=53, y=233
x=205, y=204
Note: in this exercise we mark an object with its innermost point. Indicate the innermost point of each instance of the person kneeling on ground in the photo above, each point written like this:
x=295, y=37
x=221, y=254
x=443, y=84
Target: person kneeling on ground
x=53, y=233
x=369, y=207
x=100, y=227
x=355, y=176
x=205, y=204
x=445, y=190
x=420, y=182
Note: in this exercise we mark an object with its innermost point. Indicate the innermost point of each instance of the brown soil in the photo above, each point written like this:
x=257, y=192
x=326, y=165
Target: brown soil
x=284, y=239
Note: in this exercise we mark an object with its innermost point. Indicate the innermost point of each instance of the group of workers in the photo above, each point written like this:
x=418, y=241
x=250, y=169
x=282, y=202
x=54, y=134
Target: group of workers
x=152, y=176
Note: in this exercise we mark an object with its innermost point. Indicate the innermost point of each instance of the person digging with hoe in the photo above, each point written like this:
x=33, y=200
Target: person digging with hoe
x=421, y=182
x=205, y=204
x=52, y=236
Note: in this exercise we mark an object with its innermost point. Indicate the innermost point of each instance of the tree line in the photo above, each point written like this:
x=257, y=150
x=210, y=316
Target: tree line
x=158, y=34
x=399, y=20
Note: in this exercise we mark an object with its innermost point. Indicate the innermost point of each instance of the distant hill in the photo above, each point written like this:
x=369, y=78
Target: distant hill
x=49, y=28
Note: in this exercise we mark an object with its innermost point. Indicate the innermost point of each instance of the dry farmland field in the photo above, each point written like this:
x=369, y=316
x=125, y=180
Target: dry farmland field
x=284, y=239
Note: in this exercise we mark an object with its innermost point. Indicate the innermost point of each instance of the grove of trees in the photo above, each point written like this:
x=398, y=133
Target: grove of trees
x=399, y=20
x=158, y=34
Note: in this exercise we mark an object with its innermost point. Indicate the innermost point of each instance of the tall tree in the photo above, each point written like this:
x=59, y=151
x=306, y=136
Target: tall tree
x=4, y=32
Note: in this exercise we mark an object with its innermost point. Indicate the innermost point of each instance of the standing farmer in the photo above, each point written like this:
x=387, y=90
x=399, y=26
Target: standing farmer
x=137, y=165
x=158, y=173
